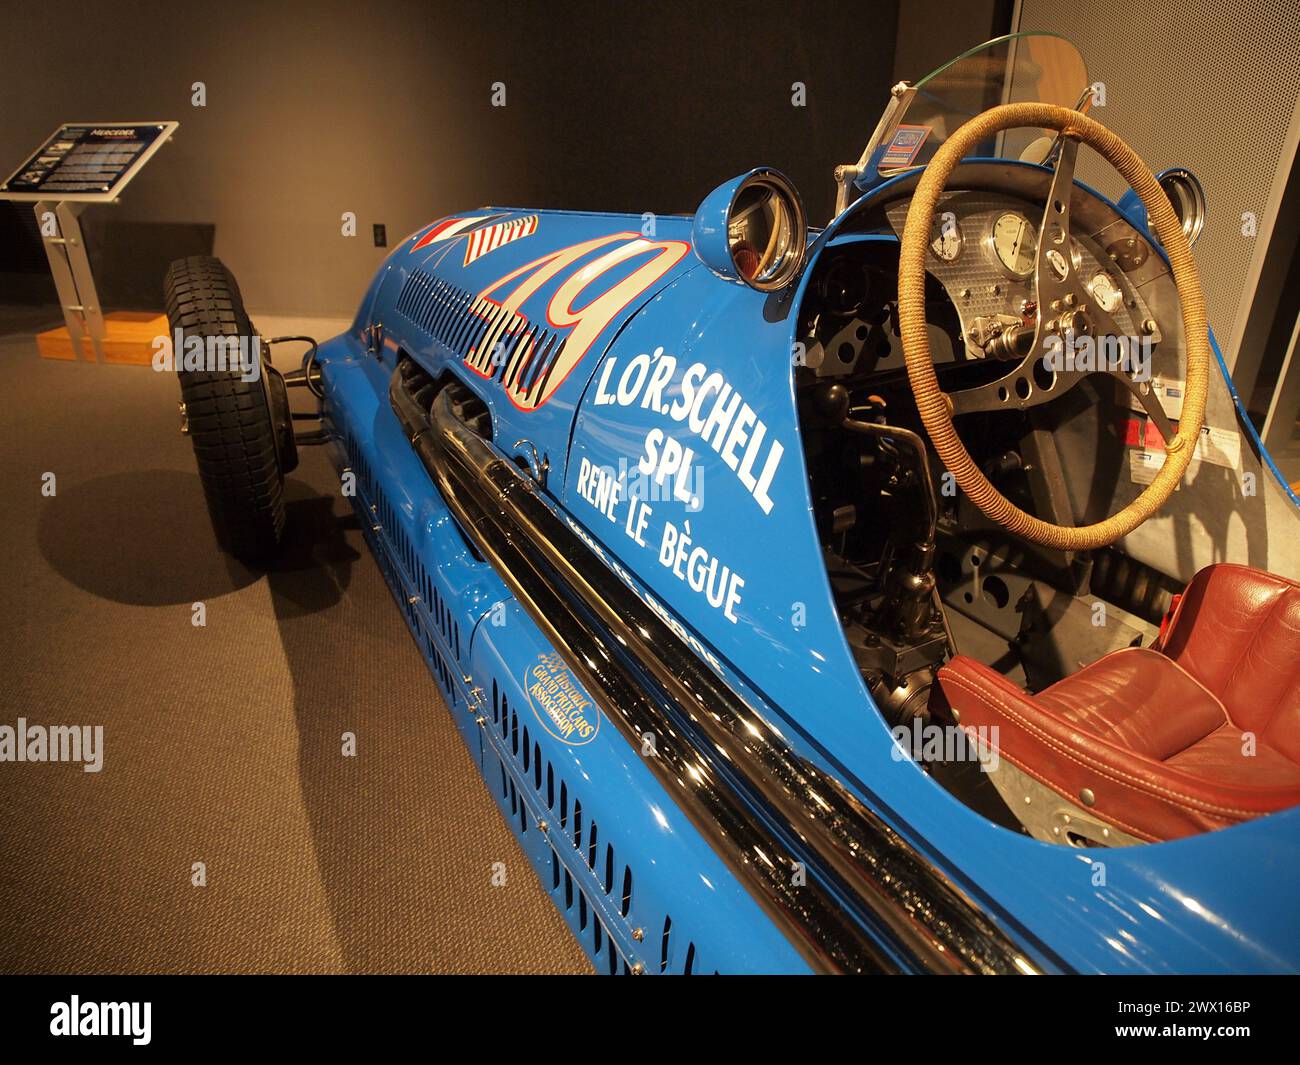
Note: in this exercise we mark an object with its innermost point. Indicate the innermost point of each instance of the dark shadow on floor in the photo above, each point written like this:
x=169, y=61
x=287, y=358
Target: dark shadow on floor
x=314, y=564
x=156, y=546
x=364, y=815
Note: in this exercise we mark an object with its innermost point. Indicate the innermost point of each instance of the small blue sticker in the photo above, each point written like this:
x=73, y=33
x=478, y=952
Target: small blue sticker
x=904, y=147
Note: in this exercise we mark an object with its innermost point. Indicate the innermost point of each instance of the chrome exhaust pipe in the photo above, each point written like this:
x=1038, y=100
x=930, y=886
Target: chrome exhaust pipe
x=867, y=900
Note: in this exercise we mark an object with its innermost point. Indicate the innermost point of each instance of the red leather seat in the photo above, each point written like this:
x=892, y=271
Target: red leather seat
x=1199, y=731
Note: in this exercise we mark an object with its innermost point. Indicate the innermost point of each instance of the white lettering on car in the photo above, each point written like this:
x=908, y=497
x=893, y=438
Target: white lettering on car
x=702, y=572
x=709, y=405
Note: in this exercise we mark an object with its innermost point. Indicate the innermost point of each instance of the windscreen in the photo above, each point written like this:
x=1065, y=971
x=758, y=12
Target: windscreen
x=1025, y=66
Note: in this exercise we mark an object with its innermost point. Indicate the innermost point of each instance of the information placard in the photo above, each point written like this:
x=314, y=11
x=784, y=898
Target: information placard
x=87, y=162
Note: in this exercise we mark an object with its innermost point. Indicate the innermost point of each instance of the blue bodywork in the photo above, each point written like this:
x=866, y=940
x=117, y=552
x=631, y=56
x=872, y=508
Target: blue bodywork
x=726, y=540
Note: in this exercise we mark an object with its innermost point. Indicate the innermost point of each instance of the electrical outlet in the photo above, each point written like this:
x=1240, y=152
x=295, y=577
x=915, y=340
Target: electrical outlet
x=381, y=235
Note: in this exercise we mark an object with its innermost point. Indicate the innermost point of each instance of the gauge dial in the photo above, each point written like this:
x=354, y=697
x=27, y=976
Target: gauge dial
x=1106, y=292
x=1015, y=243
x=946, y=244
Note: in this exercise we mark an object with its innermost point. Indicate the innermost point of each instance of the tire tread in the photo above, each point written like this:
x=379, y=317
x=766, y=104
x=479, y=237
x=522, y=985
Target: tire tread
x=230, y=425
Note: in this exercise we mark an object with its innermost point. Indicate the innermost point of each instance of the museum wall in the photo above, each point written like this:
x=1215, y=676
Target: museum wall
x=386, y=111
x=931, y=32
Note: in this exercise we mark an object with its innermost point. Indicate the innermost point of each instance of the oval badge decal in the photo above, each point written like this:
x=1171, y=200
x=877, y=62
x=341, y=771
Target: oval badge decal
x=558, y=703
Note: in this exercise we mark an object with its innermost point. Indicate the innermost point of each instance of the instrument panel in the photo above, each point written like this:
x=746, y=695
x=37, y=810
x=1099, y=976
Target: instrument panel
x=984, y=247
x=980, y=274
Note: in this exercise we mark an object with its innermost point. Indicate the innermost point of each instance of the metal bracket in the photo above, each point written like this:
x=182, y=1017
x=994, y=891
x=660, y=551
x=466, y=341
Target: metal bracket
x=538, y=466
x=847, y=174
x=72, y=277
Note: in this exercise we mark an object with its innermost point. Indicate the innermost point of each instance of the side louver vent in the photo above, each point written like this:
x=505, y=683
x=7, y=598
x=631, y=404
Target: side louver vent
x=498, y=344
x=570, y=828
x=391, y=530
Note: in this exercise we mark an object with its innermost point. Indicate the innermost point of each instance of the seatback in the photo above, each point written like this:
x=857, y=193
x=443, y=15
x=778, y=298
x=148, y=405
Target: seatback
x=1236, y=630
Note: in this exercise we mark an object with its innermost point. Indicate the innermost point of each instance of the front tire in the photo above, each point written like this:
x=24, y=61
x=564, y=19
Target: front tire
x=238, y=427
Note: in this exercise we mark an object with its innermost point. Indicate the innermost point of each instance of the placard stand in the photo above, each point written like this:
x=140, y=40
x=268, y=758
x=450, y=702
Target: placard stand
x=79, y=164
x=73, y=278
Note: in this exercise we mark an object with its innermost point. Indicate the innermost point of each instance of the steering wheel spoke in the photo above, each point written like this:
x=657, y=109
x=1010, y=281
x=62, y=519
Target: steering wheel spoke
x=1054, y=265
x=1146, y=395
x=1067, y=315
x=1065, y=306
x=1030, y=383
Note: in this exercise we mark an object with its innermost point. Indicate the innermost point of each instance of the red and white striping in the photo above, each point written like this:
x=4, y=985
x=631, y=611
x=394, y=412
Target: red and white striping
x=489, y=238
x=446, y=230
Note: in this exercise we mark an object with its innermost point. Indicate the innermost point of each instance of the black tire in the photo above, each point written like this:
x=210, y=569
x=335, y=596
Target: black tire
x=239, y=447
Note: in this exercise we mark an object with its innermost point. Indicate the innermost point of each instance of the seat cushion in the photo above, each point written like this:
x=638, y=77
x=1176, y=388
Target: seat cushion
x=1133, y=737
x=1139, y=699
x=1228, y=753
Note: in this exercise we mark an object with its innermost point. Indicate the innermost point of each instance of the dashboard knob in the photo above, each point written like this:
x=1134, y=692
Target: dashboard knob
x=1075, y=322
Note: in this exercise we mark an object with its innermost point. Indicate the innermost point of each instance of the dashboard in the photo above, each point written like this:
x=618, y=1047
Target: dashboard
x=980, y=266
x=983, y=249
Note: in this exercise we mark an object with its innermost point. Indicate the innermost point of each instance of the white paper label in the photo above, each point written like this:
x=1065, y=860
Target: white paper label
x=1220, y=447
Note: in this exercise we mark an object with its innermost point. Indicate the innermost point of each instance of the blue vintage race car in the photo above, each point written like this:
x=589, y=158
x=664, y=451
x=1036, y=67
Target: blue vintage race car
x=910, y=594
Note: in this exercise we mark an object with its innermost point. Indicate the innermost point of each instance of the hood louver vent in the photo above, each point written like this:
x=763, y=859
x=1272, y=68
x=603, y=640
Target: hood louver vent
x=497, y=344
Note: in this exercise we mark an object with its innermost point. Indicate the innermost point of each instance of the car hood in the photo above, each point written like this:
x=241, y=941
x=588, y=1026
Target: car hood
x=522, y=304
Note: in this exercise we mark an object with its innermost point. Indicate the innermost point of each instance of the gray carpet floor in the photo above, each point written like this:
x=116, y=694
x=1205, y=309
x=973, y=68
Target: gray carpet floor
x=222, y=743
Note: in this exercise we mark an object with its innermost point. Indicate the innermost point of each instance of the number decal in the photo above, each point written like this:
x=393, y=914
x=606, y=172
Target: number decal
x=573, y=329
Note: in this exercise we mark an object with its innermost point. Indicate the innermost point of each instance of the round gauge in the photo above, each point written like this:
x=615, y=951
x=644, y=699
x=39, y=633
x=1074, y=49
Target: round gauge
x=1015, y=243
x=946, y=244
x=1057, y=261
x=1106, y=292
